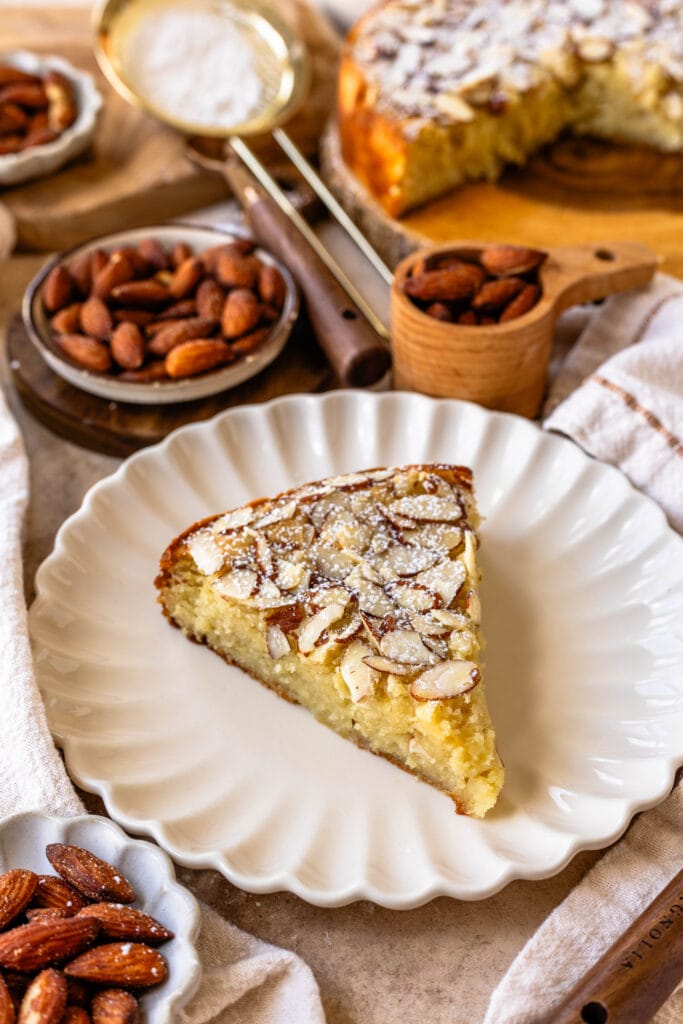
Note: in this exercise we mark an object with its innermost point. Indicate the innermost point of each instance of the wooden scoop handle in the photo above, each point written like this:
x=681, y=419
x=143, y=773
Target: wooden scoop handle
x=636, y=975
x=584, y=273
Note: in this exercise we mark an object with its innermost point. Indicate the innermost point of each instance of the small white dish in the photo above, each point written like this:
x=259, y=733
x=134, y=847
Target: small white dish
x=39, y=161
x=582, y=605
x=189, y=389
x=23, y=838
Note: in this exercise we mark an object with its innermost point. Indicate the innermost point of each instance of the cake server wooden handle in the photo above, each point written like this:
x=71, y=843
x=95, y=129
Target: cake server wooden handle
x=356, y=351
x=636, y=975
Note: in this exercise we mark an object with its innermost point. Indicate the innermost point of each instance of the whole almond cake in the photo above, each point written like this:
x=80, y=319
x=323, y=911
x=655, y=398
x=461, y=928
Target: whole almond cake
x=356, y=597
x=433, y=93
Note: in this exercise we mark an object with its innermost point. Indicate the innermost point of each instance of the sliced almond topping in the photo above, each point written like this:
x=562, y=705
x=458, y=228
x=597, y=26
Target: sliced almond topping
x=277, y=515
x=277, y=642
x=371, y=598
x=469, y=556
x=446, y=579
x=333, y=563
x=414, y=597
x=406, y=561
x=206, y=553
x=325, y=596
x=474, y=607
x=406, y=647
x=348, y=632
x=356, y=673
x=455, y=620
x=269, y=595
x=264, y=555
x=428, y=508
x=446, y=680
x=239, y=583
x=402, y=522
x=290, y=576
x=328, y=503
x=371, y=626
x=232, y=520
x=454, y=107
x=393, y=668
x=594, y=51
x=316, y=626
x=428, y=625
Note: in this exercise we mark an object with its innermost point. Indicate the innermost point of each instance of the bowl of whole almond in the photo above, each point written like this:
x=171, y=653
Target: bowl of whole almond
x=93, y=926
x=48, y=114
x=161, y=314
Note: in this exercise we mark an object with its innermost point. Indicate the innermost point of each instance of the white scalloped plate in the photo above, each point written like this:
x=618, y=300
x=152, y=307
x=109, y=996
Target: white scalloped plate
x=582, y=609
x=23, y=838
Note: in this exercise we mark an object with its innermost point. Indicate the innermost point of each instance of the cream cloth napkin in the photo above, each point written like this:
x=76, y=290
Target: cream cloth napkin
x=246, y=981
x=619, y=394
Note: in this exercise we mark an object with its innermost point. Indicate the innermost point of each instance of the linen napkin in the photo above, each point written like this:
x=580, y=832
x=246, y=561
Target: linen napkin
x=619, y=394
x=245, y=980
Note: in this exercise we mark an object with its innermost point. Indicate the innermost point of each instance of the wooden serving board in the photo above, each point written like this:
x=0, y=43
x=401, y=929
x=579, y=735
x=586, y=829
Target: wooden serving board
x=118, y=428
x=578, y=190
x=137, y=172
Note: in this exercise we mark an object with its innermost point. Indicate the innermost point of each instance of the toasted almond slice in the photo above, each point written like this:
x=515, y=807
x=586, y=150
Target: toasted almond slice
x=406, y=561
x=454, y=620
x=238, y=583
x=473, y=605
x=446, y=579
x=428, y=508
x=469, y=556
x=333, y=563
x=371, y=626
x=406, y=647
x=371, y=597
x=233, y=520
x=428, y=625
x=348, y=632
x=415, y=597
x=277, y=515
x=446, y=680
x=401, y=521
x=356, y=673
x=277, y=642
x=291, y=575
x=325, y=596
x=206, y=553
x=393, y=668
x=315, y=626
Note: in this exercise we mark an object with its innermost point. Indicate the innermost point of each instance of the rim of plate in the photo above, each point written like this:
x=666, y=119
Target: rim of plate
x=288, y=880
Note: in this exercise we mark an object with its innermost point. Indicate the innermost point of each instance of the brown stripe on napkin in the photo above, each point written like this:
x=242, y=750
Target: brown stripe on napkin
x=647, y=415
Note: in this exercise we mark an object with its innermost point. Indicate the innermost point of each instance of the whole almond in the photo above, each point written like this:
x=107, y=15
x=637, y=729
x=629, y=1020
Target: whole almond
x=12, y=118
x=153, y=371
x=185, y=278
x=176, y=333
x=45, y=999
x=129, y=964
x=86, y=352
x=241, y=313
x=58, y=290
x=68, y=320
x=80, y=268
x=236, y=247
x=16, y=889
x=494, y=295
x=160, y=324
x=237, y=271
x=52, y=892
x=440, y=286
x=250, y=342
x=137, y=262
x=99, y=259
x=10, y=74
x=180, y=253
x=75, y=1015
x=128, y=346
x=92, y=877
x=6, y=1004
x=271, y=286
x=25, y=94
x=468, y=318
x=120, y=922
x=116, y=271
x=96, y=320
x=440, y=311
x=508, y=260
x=45, y=943
x=39, y=137
x=210, y=299
x=521, y=304
x=472, y=271
x=179, y=310
x=114, y=1006
x=10, y=144
x=153, y=253
x=141, y=317
x=193, y=357
x=148, y=294
x=44, y=914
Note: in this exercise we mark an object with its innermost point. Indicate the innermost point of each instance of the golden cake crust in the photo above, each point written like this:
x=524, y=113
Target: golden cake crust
x=435, y=93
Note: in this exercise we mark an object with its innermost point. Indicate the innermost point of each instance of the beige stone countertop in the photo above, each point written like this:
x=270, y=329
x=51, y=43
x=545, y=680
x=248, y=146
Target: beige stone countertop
x=437, y=964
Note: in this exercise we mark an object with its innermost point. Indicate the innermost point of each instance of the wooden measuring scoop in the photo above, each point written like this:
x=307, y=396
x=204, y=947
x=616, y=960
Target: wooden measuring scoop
x=504, y=365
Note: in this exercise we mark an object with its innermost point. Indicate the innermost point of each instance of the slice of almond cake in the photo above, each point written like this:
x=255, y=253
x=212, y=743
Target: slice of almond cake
x=356, y=597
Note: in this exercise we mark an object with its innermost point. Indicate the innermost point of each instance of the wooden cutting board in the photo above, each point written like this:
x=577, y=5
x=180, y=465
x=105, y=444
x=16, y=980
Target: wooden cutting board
x=136, y=172
x=578, y=190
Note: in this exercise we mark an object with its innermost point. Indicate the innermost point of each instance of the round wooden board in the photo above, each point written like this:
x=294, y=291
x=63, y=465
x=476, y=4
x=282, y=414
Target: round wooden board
x=118, y=428
x=577, y=190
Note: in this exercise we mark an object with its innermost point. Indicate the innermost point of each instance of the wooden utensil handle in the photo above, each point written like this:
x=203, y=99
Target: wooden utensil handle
x=355, y=351
x=636, y=975
x=584, y=273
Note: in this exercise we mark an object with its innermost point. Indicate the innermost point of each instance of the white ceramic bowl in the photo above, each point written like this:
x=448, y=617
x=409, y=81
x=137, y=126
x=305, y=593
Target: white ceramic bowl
x=23, y=838
x=39, y=161
x=37, y=325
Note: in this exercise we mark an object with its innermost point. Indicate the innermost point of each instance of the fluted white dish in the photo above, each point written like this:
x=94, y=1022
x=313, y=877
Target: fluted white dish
x=23, y=838
x=582, y=607
x=39, y=161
